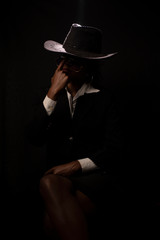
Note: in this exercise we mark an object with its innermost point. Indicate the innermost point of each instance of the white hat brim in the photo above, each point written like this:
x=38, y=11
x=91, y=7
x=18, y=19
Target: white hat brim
x=53, y=46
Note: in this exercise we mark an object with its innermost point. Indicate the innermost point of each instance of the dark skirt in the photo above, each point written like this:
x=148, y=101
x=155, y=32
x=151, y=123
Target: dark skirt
x=100, y=186
x=107, y=192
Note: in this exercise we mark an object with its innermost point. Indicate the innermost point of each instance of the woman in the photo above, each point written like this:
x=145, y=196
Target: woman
x=80, y=126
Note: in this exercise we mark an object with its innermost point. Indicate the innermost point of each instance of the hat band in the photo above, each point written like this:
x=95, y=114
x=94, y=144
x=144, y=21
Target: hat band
x=81, y=52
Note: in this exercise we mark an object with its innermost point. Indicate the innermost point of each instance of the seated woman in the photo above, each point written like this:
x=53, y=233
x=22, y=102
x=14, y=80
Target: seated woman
x=80, y=125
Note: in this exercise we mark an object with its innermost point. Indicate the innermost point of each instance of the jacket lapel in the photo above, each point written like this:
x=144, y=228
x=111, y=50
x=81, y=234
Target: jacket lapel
x=62, y=108
x=83, y=106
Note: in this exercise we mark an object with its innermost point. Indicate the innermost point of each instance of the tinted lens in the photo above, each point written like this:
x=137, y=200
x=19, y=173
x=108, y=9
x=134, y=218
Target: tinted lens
x=74, y=64
x=76, y=68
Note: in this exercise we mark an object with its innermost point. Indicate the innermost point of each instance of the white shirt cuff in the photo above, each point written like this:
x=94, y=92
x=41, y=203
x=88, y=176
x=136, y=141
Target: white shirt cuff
x=49, y=105
x=87, y=165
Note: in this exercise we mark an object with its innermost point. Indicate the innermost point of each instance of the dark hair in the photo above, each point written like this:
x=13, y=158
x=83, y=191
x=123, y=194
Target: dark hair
x=94, y=72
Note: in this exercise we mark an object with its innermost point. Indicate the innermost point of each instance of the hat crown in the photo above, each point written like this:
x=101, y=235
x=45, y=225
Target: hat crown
x=83, y=39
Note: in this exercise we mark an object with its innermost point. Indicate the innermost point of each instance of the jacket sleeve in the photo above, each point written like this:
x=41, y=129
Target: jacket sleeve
x=110, y=155
x=37, y=127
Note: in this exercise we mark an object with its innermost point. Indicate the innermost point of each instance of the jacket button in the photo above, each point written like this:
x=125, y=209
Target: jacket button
x=49, y=125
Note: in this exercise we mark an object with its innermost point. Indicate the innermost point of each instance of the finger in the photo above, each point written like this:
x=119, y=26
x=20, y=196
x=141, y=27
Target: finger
x=60, y=65
x=48, y=172
x=66, y=78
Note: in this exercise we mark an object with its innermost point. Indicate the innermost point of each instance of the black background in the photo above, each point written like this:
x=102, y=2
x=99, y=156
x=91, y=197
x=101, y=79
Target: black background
x=129, y=28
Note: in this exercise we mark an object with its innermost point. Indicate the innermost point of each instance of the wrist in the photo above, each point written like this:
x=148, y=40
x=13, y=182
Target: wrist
x=78, y=166
x=52, y=94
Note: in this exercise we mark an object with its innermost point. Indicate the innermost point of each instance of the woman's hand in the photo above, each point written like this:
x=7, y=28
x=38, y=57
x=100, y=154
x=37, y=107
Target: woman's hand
x=58, y=82
x=66, y=170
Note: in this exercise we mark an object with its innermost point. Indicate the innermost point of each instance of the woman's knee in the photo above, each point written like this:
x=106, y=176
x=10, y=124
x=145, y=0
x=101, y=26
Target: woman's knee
x=52, y=183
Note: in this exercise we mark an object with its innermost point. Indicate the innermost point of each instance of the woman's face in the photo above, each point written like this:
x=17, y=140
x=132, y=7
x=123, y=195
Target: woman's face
x=74, y=68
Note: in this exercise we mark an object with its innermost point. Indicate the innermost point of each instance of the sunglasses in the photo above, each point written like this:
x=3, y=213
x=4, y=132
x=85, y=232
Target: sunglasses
x=72, y=63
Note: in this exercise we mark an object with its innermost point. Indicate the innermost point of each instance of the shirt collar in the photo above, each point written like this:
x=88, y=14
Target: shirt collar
x=86, y=88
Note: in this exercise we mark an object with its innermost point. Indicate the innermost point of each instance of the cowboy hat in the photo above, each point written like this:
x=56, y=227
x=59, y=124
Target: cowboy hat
x=81, y=41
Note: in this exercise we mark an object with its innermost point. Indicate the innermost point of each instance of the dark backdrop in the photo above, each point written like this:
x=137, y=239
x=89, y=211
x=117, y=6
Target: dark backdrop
x=131, y=29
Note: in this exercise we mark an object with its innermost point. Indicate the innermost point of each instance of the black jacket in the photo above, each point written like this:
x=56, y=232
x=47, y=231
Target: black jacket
x=94, y=131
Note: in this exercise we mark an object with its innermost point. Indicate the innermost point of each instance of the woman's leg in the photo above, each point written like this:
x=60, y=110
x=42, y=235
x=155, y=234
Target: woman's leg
x=66, y=209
